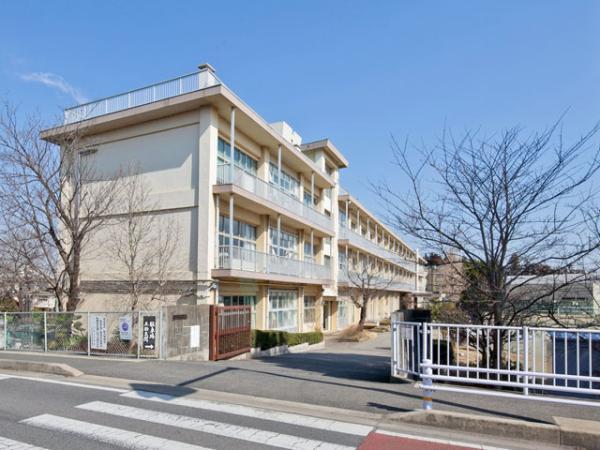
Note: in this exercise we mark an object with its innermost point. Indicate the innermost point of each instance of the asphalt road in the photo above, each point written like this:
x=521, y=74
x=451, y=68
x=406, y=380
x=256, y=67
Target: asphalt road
x=343, y=375
x=51, y=414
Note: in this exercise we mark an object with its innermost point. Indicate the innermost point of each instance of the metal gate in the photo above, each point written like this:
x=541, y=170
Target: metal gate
x=230, y=331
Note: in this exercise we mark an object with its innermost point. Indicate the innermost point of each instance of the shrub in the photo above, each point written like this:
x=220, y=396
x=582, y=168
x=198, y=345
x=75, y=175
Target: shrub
x=270, y=338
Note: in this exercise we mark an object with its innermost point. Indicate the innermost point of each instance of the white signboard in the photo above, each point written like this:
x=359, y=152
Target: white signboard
x=125, y=328
x=98, y=337
x=195, y=336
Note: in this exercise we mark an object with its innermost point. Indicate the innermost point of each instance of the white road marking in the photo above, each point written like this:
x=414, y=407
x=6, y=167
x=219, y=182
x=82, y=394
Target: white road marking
x=9, y=444
x=258, y=413
x=65, y=383
x=208, y=426
x=438, y=441
x=106, y=435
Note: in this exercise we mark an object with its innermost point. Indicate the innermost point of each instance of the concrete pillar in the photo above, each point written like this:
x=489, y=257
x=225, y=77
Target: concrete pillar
x=231, y=207
x=204, y=231
x=232, y=144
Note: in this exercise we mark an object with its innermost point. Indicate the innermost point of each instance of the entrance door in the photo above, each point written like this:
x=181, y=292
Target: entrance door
x=326, y=315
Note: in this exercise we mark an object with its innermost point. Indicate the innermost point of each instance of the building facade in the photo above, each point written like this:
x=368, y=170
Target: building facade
x=260, y=217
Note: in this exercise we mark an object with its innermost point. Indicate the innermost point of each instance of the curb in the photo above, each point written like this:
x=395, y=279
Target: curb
x=35, y=366
x=579, y=433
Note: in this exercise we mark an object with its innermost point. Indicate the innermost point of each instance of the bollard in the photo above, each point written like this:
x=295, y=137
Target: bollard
x=426, y=384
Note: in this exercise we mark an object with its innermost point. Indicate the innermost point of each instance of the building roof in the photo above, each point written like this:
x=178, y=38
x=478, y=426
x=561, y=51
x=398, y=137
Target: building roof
x=330, y=150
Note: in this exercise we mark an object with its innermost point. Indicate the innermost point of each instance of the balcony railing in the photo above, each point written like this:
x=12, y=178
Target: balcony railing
x=153, y=93
x=252, y=261
x=375, y=282
x=371, y=247
x=272, y=194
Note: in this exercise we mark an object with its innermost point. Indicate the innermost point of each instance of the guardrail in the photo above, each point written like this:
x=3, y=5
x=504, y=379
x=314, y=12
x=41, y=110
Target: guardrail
x=518, y=362
x=272, y=194
x=138, y=97
x=252, y=261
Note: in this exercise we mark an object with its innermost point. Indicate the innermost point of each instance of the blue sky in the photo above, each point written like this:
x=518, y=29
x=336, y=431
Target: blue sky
x=355, y=72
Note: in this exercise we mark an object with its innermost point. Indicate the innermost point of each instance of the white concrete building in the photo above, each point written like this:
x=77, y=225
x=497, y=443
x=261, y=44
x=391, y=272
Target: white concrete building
x=293, y=230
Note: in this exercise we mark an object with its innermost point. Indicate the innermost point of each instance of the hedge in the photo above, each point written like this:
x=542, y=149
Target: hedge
x=269, y=338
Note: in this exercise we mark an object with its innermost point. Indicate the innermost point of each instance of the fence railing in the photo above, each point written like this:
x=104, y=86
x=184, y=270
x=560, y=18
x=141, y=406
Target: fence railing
x=372, y=247
x=153, y=93
x=125, y=334
x=239, y=258
x=272, y=194
x=515, y=361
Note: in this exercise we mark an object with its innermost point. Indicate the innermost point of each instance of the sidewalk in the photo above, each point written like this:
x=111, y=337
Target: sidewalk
x=351, y=376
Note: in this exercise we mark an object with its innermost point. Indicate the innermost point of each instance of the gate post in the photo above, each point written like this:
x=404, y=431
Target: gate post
x=45, y=332
x=212, y=333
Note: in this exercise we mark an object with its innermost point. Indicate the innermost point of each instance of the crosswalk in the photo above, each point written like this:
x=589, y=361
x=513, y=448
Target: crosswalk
x=259, y=428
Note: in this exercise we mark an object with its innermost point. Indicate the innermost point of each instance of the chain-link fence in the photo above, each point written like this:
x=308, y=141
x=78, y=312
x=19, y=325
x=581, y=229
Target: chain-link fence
x=125, y=334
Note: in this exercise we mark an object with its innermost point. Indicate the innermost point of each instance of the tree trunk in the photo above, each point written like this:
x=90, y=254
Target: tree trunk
x=363, y=316
x=74, y=288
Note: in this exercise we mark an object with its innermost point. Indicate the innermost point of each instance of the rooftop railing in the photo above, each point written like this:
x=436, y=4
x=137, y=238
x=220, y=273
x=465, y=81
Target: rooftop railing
x=271, y=193
x=249, y=260
x=138, y=97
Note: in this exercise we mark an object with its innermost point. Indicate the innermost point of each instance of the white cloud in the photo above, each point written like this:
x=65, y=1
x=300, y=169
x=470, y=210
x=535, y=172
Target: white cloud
x=57, y=82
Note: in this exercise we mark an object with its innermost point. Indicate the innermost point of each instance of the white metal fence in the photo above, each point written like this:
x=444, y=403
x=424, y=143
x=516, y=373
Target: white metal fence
x=499, y=360
x=125, y=334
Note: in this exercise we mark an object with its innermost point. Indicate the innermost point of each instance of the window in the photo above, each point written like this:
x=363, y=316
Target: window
x=287, y=246
x=344, y=313
x=306, y=199
x=343, y=259
x=288, y=183
x=575, y=305
x=240, y=300
x=343, y=219
x=244, y=234
x=241, y=159
x=283, y=310
x=309, y=253
x=310, y=308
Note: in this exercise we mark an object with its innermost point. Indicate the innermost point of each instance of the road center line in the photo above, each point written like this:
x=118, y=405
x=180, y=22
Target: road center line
x=257, y=413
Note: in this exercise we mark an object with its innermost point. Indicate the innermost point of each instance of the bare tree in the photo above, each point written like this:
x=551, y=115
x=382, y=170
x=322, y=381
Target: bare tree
x=497, y=200
x=53, y=200
x=367, y=281
x=143, y=243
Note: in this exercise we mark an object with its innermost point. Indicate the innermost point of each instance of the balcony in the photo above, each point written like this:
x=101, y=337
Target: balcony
x=247, y=260
x=376, y=282
x=153, y=93
x=357, y=240
x=275, y=197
